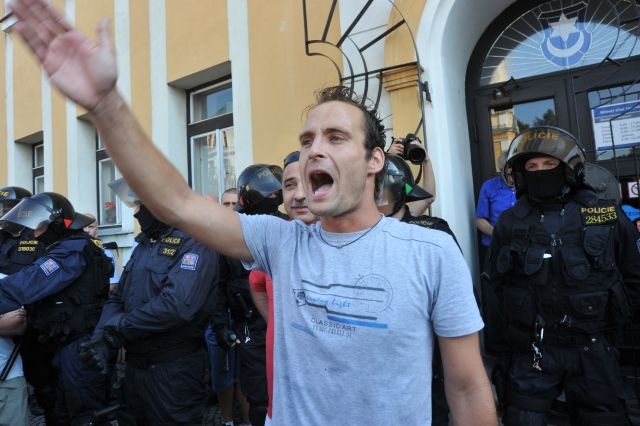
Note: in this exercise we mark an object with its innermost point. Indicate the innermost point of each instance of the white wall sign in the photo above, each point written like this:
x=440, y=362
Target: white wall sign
x=625, y=122
x=633, y=189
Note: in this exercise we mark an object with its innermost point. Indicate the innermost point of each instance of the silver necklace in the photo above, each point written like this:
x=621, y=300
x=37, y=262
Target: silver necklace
x=339, y=246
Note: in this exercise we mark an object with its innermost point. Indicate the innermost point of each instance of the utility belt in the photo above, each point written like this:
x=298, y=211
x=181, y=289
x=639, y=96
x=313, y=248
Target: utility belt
x=147, y=360
x=574, y=340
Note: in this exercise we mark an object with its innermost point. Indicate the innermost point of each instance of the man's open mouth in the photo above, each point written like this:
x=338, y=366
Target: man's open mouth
x=320, y=181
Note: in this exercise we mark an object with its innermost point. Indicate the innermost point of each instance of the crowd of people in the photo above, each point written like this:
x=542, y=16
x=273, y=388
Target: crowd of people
x=354, y=307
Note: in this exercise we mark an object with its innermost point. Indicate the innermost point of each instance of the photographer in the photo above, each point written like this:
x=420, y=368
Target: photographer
x=412, y=149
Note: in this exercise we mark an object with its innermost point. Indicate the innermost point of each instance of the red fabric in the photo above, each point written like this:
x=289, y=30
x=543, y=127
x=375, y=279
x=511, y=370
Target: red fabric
x=261, y=282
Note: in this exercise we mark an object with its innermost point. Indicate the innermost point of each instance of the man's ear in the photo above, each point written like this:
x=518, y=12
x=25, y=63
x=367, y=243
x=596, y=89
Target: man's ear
x=376, y=162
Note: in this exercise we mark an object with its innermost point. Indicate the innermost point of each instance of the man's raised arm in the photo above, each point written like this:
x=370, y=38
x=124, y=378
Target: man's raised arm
x=86, y=72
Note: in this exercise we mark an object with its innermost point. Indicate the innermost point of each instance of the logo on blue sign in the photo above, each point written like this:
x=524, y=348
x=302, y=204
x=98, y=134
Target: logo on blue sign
x=566, y=39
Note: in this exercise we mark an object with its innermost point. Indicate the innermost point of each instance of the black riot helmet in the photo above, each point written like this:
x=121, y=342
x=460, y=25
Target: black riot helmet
x=550, y=141
x=47, y=208
x=259, y=189
x=10, y=196
x=398, y=185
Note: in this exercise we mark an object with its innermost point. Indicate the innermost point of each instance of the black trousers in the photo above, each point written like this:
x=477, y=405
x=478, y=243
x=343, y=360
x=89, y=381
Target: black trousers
x=589, y=374
x=168, y=393
x=253, y=378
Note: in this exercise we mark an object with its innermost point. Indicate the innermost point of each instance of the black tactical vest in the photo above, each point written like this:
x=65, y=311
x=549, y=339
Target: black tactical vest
x=75, y=311
x=17, y=253
x=569, y=282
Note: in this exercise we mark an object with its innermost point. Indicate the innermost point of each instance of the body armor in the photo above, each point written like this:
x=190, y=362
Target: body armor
x=568, y=282
x=75, y=311
x=17, y=253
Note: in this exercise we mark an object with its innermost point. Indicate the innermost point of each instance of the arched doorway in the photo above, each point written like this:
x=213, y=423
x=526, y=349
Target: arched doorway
x=574, y=64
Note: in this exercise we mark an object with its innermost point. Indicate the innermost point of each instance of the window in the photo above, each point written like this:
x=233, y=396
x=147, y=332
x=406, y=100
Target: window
x=210, y=135
x=560, y=35
x=108, y=206
x=38, y=168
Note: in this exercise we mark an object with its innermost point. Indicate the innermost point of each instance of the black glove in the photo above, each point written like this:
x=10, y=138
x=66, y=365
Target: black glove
x=224, y=337
x=101, y=349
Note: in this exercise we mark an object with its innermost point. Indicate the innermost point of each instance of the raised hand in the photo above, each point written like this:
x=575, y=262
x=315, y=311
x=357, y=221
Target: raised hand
x=81, y=69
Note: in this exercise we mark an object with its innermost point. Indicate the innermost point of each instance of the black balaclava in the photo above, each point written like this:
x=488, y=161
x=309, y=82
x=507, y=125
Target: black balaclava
x=149, y=225
x=50, y=236
x=546, y=185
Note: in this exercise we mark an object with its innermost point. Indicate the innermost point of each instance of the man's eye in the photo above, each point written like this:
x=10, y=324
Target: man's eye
x=336, y=138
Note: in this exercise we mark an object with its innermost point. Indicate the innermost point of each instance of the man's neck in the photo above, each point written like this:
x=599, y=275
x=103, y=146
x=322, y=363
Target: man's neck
x=354, y=221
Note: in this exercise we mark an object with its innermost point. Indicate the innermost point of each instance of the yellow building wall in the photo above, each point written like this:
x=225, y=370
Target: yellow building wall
x=59, y=133
x=3, y=111
x=140, y=63
x=283, y=78
x=27, y=104
x=197, y=36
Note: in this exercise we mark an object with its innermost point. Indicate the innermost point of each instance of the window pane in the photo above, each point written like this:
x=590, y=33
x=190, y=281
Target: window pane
x=560, y=35
x=211, y=103
x=617, y=109
x=506, y=124
x=109, y=209
x=229, y=155
x=38, y=185
x=38, y=156
x=205, y=164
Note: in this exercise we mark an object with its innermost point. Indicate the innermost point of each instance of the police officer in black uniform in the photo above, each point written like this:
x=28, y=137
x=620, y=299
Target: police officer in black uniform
x=65, y=289
x=399, y=188
x=565, y=264
x=18, y=249
x=259, y=192
x=158, y=313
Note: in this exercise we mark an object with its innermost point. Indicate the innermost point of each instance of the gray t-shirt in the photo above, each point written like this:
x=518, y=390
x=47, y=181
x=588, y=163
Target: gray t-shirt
x=354, y=326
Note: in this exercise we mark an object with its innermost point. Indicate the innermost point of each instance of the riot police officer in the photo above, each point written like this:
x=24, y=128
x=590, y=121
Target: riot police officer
x=66, y=289
x=259, y=192
x=565, y=263
x=18, y=249
x=158, y=313
x=399, y=188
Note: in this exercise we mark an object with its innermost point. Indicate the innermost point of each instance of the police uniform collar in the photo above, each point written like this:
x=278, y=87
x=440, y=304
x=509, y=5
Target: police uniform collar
x=144, y=237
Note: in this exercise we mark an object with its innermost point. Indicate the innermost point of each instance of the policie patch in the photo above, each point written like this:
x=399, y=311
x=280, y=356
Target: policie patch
x=49, y=266
x=598, y=215
x=27, y=246
x=189, y=261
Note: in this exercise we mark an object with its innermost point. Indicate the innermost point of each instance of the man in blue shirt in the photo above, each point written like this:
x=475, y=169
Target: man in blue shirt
x=496, y=196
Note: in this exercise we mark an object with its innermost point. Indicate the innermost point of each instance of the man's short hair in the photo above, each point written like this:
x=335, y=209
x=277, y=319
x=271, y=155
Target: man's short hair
x=230, y=191
x=374, y=133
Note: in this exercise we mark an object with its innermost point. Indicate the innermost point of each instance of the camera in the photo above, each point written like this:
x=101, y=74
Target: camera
x=412, y=153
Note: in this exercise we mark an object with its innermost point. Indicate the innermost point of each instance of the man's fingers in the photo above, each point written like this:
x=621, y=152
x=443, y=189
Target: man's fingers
x=103, y=33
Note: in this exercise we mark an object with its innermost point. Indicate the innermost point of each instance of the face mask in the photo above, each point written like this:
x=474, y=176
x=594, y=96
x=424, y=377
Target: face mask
x=546, y=184
x=48, y=237
x=148, y=223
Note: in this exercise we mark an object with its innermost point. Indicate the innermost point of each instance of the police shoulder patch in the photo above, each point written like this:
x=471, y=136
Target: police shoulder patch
x=189, y=261
x=598, y=215
x=49, y=266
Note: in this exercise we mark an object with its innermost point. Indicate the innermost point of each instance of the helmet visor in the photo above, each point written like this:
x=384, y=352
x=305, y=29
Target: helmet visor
x=122, y=189
x=27, y=213
x=392, y=191
x=6, y=205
